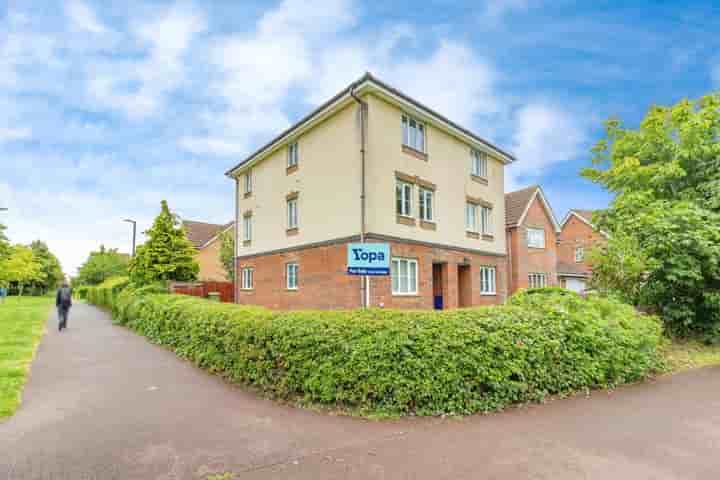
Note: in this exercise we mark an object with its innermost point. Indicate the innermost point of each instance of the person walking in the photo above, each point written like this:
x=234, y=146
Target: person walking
x=3, y=294
x=63, y=302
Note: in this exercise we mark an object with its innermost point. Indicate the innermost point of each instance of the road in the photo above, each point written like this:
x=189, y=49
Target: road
x=103, y=403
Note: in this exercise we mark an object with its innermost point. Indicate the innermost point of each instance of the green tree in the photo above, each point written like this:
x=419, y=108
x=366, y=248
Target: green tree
x=51, y=273
x=619, y=268
x=20, y=267
x=666, y=179
x=4, y=243
x=166, y=255
x=227, y=253
x=101, y=265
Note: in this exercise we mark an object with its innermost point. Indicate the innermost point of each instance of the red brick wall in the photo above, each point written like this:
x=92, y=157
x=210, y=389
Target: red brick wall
x=525, y=260
x=575, y=233
x=324, y=284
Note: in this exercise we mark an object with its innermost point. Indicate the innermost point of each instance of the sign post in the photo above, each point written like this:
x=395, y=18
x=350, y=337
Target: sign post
x=368, y=259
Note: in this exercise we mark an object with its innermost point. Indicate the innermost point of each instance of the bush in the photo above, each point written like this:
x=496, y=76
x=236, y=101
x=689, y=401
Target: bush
x=104, y=294
x=388, y=362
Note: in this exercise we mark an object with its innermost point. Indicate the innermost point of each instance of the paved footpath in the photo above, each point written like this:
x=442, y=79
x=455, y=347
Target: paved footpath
x=103, y=403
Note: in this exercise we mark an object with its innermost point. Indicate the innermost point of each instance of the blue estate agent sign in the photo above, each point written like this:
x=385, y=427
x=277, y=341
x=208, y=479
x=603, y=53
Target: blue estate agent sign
x=368, y=259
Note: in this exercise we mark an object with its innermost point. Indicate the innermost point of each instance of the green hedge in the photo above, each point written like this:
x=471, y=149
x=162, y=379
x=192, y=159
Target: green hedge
x=104, y=294
x=387, y=362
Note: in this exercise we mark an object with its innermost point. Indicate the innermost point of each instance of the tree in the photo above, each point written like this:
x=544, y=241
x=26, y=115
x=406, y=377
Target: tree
x=619, y=268
x=666, y=179
x=227, y=253
x=20, y=267
x=101, y=265
x=4, y=243
x=166, y=255
x=51, y=273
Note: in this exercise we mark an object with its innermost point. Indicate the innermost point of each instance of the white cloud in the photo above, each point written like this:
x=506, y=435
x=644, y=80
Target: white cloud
x=10, y=134
x=84, y=18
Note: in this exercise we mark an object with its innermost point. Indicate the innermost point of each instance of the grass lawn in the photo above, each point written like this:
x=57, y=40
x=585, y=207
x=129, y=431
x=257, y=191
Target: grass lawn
x=22, y=323
x=686, y=354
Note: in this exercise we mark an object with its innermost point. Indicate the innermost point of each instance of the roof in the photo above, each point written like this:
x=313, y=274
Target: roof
x=518, y=203
x=572, y=269
x=586, y=214
x=366, y=83
x=200, y=233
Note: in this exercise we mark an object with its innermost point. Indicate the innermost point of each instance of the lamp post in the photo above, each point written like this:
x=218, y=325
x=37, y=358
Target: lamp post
x=134, y=224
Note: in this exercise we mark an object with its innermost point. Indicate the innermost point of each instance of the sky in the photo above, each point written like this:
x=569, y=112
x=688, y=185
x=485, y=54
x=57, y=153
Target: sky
x=106, y=108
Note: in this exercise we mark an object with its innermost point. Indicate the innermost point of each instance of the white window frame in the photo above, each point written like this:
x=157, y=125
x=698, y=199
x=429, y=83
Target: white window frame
x=292, y=213
x=291, y=275
x=478, y=163
x=486, y=220
x=471, y=217
x=293, y=154
x=488, y=280
x=411, y=287
x=247, y=278
x=532, y=238
x=537, y=280
x=426, y=204
x=404, y=193
x=248, y=184
x=247, y=228
x=579, y=254
x=414, y=133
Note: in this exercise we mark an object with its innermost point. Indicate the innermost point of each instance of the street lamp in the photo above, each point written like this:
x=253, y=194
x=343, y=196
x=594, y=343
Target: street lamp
x=3, y=209
x=134, y=224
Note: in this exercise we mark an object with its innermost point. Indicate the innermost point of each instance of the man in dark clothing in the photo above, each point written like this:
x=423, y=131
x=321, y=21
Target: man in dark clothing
x=63, y=302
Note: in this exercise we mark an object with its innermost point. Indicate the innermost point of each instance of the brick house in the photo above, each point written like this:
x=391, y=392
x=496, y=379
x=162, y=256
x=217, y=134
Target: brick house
x=373, y=164
x=577, y=236
x=205, y=237
x=532, y=233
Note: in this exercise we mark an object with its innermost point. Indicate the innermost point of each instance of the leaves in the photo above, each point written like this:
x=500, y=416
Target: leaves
x=227, y=253
x=101, y=265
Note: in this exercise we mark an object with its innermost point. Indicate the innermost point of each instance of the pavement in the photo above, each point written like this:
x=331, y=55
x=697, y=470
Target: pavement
x=103, y=403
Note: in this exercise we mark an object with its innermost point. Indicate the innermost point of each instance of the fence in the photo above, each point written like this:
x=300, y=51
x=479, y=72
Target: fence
x=202, y=289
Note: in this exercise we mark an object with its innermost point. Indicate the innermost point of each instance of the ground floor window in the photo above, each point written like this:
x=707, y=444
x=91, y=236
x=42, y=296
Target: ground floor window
x=246, y=278
x=404, y=276
x=291, y=276
x=487, y=280
x=537, y=280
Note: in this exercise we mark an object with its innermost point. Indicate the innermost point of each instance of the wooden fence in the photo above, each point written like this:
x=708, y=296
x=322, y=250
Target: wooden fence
x=202, y=289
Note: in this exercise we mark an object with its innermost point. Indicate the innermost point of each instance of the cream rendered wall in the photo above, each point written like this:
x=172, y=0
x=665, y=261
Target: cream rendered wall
x=328, y=182
x=448, y=167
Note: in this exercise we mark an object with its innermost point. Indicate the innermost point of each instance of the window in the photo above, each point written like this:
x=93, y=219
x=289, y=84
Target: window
x=292, y=155
x=291, y=276
x=536, y=237
x=426, y=205
x=247, y=228
x=404, y=276
x=413, y=133
x=292, y=213
x=471, y=217
x=487, y=280
x=579, y=254
x=537, y=280
x=486, y=220
x=248, y=182
x=246, y=278
x=478, y=166
x=403, y=198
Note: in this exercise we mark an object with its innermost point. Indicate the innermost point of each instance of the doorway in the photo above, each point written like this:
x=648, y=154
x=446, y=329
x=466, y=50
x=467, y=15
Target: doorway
x=464, y=286
x=437, y=282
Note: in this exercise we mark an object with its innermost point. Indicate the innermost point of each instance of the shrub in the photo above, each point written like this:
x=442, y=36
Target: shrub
x=104, y=294
x=388, y=362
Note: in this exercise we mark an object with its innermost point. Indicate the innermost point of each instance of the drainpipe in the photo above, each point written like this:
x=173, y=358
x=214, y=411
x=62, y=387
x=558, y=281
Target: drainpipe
x=365, y=283
x=235, y=242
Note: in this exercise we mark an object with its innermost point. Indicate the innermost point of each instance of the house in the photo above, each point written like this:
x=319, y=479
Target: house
x=577, y=236
x=532, y=233
x=206, y=238
x=372, y=164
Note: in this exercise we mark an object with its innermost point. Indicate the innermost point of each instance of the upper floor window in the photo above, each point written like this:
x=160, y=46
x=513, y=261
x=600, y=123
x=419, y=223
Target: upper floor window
x=403, y=198
x=536, y=237
x=479, y=163
x=247, y=181
x=471, y=217
x=486, y=220
x=404, y=276
x=537, y=280
x=487, y=280
x=293, y=155
x=246, y=278
x=247, y=228
x=426, y=205
x=579, y=254
x=292, y=213
x=291, y=276
x=413, y=133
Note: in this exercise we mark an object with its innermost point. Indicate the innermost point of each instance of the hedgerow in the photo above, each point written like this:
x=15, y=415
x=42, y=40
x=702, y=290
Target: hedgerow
x=104, y=294
x=389, y=362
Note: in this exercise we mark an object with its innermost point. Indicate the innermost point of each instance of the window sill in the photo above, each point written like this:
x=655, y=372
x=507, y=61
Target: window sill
x=488, y=294
x=405, y=220
x=415, y=153
x=471, y=234
x=405, y=295
x=428, y=225
x=291, y=289
x=479, y=179
x=247, y=243
x=247, y=289
x=291, y=169
x=247, y=195
x=536, y=248
x=291, y=232
x=488, y=238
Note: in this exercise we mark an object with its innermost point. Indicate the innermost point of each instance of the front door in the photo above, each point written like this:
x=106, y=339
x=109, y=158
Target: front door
x=438, y=297
x=464, y=286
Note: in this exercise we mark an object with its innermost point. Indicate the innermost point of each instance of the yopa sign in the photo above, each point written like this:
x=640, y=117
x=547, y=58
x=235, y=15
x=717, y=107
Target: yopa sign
x=368, y=259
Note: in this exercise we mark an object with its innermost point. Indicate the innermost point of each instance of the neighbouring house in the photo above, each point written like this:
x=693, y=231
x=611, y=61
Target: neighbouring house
x=532, y=233
x=577, y=236
x=206, y=239
x=372, y=163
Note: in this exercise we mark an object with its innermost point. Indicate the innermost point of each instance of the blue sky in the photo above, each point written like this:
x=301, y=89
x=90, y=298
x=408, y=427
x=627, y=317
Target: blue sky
x=106, y=108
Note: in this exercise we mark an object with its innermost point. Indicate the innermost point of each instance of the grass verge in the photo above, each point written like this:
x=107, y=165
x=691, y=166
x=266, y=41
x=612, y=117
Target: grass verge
x=687, y=354
x=22, y=323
